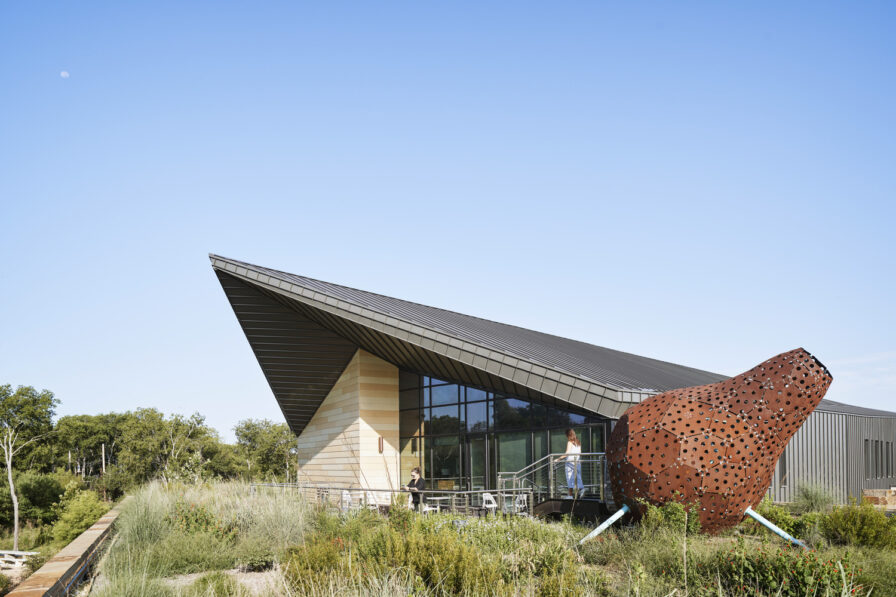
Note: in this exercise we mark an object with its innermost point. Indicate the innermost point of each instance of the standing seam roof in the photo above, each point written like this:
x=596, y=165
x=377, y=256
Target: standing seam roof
x=608, y=367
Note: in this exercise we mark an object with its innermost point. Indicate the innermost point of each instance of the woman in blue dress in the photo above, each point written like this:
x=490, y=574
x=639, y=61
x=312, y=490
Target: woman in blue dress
x=573, y=465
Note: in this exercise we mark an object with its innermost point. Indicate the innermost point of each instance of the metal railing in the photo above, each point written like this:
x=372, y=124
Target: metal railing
x=550, y=477
x=516, y=501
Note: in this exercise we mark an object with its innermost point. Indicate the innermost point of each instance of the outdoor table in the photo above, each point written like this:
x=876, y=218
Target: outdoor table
x=437, y=499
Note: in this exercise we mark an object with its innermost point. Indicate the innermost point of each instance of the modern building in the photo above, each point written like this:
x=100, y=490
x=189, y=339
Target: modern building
x=374, y=385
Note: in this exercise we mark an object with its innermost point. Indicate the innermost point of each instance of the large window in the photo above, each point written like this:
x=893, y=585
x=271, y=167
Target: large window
x=463, y=435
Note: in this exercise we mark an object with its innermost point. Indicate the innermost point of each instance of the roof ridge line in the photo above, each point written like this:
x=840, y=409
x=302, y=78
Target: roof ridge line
x=515, y=355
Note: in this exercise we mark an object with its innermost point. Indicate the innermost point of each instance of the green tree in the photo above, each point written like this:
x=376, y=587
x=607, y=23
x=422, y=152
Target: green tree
x=152, y=446
x=142, y=439
x=268, y=448
x=26, y=416
x=222, y=460
x=185, y=439
x=82, y=439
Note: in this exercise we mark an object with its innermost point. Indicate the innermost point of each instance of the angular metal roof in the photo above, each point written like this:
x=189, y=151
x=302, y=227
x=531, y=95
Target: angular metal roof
x=287, y=318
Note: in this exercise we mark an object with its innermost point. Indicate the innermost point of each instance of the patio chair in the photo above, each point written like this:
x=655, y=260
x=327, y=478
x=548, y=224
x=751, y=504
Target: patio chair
x=370, y=501
x=346, y=500
x=489, y=503
x=521, y=504
x=424, y=507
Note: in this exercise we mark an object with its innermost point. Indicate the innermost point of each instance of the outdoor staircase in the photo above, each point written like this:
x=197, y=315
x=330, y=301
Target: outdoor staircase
x=545, y=480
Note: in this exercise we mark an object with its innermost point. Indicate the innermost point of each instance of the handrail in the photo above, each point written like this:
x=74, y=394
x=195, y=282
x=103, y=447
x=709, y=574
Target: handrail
x=539, y=479
x=509, y=501
x=552, y=455
x=533, y=475
x=353, y=488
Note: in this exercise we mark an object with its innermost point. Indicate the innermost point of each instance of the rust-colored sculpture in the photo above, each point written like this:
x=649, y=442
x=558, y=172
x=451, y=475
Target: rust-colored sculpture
x=715, y=445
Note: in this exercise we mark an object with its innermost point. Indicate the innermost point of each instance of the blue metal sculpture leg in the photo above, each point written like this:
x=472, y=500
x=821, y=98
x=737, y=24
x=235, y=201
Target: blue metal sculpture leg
x=606, y=524
x=770, y=526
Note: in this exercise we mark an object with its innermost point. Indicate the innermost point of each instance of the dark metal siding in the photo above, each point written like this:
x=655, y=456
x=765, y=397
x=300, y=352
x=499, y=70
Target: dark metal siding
x=858, y=429
x=816, y=455
x=300, y=359
x=828, y=450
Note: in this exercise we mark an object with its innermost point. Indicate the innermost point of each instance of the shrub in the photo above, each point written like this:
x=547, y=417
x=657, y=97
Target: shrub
x=196, y=518
x=859, y=524
x=114, y=482
x=78, y=514
x=401, y=518
x=216, y=584
x=777, y=515
x=876, y=570
x=37, y=495
x=255, y=555
x=812, y=498
x=186, y=553
x=34, y=562
x=675, y=516
x=326, y=523
x=785, y=572
x=808, y=527
x=4, y=583
x=306, y=565
x=442, y=555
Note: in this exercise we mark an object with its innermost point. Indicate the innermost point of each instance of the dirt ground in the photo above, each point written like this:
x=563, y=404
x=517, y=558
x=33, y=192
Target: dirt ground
x=259, y=583
x=15, y=575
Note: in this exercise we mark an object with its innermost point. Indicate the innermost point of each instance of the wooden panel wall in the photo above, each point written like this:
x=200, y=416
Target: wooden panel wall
x=340, y=444
x=379, y=418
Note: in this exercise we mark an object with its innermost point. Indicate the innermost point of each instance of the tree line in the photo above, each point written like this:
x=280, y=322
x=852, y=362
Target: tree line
x=110, y=453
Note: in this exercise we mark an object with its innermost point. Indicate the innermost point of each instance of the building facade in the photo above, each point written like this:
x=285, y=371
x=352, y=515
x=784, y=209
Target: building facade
x=373, y=385
x=840, y=447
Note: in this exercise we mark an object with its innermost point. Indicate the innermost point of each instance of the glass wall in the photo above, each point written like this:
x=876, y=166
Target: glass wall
x=462, y=436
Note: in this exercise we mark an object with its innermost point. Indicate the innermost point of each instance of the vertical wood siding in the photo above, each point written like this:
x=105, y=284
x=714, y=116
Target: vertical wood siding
x=340, y=444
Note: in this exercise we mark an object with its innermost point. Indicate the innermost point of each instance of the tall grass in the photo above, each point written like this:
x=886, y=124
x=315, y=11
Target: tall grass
x=210, y=531
x=151, y=543
x=651, y=563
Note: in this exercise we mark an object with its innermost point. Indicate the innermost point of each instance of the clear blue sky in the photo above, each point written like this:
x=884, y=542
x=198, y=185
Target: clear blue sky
x=705, y=183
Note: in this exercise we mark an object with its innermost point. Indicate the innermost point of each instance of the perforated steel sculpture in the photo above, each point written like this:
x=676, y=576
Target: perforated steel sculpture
x=714, y=445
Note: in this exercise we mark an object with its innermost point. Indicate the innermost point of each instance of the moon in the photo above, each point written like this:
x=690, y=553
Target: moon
x=64, y=74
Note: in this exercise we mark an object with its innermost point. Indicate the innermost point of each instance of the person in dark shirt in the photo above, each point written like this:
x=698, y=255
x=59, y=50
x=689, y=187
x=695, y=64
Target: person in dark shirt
x=416, y=485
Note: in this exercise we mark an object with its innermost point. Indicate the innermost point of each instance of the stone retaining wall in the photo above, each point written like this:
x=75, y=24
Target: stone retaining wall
x=883, y=498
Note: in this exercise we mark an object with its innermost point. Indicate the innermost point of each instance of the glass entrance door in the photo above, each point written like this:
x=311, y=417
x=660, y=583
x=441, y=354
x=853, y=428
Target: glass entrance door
x=478, y=462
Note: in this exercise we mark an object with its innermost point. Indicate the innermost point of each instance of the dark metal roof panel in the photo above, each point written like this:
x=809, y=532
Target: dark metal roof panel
x=605, y=366
x=301, y=359
x=848, y=409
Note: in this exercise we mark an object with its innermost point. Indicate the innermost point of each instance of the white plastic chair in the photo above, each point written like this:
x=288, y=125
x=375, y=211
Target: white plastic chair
x=371, y=501
x=424, y=507
x=521, y=504
x=346, y=500
x=489, y=503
